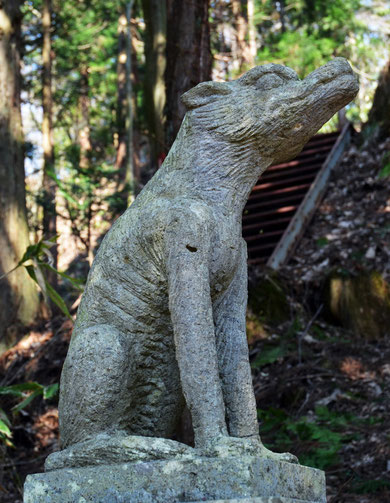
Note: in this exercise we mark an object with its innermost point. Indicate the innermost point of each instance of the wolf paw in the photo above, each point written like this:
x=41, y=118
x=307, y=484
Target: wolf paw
x=276, y=456
x=225, y=446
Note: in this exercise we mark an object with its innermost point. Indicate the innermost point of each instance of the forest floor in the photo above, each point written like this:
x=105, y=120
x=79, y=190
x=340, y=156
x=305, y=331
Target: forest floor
x=323, y=391
x=329, y=406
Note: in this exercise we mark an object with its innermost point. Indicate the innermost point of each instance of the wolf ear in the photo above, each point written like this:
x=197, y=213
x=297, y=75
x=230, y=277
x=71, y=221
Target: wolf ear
x=204, y=93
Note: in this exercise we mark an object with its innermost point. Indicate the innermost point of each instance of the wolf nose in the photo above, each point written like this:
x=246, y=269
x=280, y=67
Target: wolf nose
x=332, y=69
x=338, y=65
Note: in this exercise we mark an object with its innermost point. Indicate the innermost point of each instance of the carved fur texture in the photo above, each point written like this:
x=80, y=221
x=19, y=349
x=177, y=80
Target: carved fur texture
x=162, y=319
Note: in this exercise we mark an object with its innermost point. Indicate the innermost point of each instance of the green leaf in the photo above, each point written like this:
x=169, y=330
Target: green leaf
x=49, y=290
x=9, y=272
x=27, y=386
x=31, y=272
x=372, y=486
x=19, y=390
x=4, y=430
x=26, y=401
x=36, y=274
x=69, y=198
x=8, y=391
x=322, y=242
x=31, y=251
x=269, y=355
x=385, y=171
x=57, y=299
x=50, y=391
x=4, y=418
x=35, y=252
x=77, y=283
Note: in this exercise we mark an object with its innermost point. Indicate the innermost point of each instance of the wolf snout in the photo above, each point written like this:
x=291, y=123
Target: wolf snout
x=330, y=71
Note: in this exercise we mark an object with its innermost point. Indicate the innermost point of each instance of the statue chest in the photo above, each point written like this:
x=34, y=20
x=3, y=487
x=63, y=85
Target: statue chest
x=225, y=255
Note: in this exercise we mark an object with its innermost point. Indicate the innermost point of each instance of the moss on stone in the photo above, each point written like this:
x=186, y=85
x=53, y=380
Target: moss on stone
x=268, y=300
x=179, y=480
x=255, y=329
x=360, y=303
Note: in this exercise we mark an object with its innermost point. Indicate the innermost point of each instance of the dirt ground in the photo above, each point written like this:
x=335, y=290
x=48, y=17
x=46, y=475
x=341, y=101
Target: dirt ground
x=329, y=405
x=330, y=385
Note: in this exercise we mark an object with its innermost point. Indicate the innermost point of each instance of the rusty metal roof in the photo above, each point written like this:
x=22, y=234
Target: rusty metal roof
x=284, y=199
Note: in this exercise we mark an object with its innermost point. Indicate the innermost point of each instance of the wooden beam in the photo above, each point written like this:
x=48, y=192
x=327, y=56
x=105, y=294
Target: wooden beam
x=306, y=210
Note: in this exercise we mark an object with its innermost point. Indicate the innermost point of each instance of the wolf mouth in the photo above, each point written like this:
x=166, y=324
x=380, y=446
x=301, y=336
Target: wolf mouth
x=346, y=80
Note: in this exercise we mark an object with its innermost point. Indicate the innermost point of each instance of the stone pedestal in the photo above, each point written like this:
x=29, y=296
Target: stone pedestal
x=217, y=480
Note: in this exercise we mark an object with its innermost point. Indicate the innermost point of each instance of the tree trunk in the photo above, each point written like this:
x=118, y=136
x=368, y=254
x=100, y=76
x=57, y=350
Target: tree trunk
x=155, y=56
x=379, y=116
x=188, y=56
x=126, y=137
x=85, y=150
x=18, y=294
x=49, y=186
x=251, y=32
x=120, y=163
x=241, y=53
x=84, y=131
x=280, y=7
x=130, y=178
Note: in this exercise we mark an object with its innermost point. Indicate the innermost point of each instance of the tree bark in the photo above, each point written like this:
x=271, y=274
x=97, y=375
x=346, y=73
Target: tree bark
x=241, y=53
x=251, y=32
x=155, y=56
x=49, y=186
x=120, y=163
x=84, y=131
x=18, y=294
x=85, y=150
x=129, y=174
x=280, y=7
x=188, y=56
x=130, y=177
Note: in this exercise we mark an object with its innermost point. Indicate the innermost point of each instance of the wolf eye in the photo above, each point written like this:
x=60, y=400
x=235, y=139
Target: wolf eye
x=269, y=81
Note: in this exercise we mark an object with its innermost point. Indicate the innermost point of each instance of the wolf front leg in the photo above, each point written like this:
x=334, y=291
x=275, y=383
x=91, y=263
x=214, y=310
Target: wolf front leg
x=233, y=355
x=234, y=368
x=187, y=251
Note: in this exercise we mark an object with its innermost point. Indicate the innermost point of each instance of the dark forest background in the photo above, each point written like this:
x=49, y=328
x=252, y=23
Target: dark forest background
x=89, y=107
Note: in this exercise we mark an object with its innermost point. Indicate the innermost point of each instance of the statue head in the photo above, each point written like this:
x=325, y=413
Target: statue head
x=269, y=110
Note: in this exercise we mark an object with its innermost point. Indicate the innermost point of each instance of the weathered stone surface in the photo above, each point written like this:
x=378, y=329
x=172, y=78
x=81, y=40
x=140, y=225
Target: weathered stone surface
x=162, y=320
x=173, y=481
x=256, y=500
x=105, y=449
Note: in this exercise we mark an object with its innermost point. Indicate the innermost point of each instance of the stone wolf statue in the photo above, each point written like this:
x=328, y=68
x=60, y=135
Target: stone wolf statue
x=162, y=319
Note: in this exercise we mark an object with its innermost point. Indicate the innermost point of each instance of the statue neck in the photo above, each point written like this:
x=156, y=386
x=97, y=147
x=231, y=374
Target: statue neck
x=220, y=173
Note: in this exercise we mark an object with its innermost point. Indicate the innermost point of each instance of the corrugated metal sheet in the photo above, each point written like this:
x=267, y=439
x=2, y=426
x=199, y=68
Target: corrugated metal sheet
x=283, y=200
